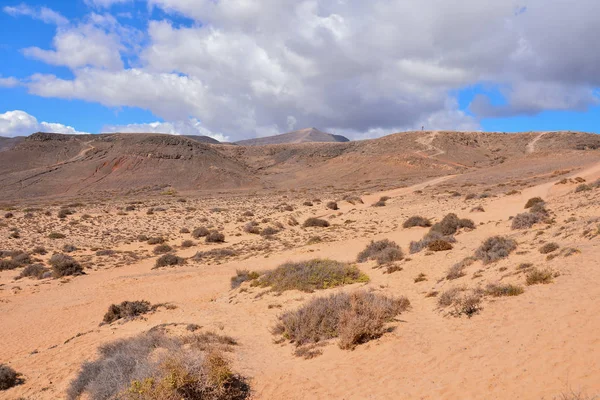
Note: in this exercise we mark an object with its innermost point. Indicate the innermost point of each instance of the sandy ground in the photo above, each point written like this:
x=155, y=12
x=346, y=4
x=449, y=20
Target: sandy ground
x=533, y=346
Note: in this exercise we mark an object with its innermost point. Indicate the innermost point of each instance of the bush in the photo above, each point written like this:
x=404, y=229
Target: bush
x=450, y=224
x=417, y=221
x=252, y=227
x=162, y=249
x=214, y=253
x=533, y=201
x=248, y=213
x=56, y=235
x=384, y=251
x=69, y=248
x=156, y=240
x=187, y=243
x=34, y=271
x=432, y=236
x=168, y=260
x=184, y=230
x=539, y=276
x=8, y=377
x=126, y=310
x=215, y=237
x=39, y=250
x=153, y=366
x=439, y=245
x=353, y=199
x=311, y=275
x=495, y=248
x=583, y=188
x=525, y=220
x=8, y=265
x=478, y=209
x=498, y=290
x=353, y=317
x=379, y=203
x=243, y=276
x=200, y=232
x=315, y=222
x=332, y=205
x=64, y=212
x=63, y=265
x=458, y=269
x=549, y=248
x=268, y=231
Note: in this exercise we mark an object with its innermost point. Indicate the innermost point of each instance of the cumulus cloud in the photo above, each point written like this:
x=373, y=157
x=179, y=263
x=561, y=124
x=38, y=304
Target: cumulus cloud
x=257, y=67
x=19, y=123
x=188, y=127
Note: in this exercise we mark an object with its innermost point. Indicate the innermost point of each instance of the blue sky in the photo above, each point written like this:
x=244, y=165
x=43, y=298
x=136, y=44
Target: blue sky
x=233, y=70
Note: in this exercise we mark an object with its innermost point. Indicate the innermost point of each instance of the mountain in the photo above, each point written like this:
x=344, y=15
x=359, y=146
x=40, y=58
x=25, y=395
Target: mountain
x=309, y=135
x=7, y=143
x=203, y=139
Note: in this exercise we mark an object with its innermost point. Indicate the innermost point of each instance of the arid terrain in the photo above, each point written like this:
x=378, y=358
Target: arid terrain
x=234, y=253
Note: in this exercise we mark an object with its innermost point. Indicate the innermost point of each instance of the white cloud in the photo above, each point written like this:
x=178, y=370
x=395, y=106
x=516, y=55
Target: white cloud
x=188, y=127
x=245, y=66
x=19, y=123
x=9, y=82
x=41, y=13
x=105, y=3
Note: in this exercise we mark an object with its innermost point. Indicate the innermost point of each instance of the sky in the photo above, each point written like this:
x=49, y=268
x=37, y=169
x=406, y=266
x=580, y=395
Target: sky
x=237, y=69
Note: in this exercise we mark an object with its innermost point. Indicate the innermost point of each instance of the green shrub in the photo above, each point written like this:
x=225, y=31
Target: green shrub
x=311, y=275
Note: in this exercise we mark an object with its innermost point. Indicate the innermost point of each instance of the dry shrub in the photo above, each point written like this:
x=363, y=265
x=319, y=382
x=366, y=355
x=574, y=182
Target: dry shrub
x=499, y=290
x=8, y=377
x=200, y=232
x=315, y=222
x=56, y=235
x=162, y=249
x=215, y=237
x=154, y=366
x=37, y=271
x=184, y=230
x=430, y=237
x=269, y=231
x=63, y=265
x=248, y=213
x=495, y=248
x=533, y=201
x=450, y=224
x=417, y=221
x=458, y=269
x=332, y=205
x=187, y=243
x=549, y=248
x=252, y=227
x=478, y=209
x=464, y=302
x=537, y=276
x=449, y=296
x=353, y=199
x=379, y=203
x=168, y=260
x=353, y=317
x=156, y=240
x=126, y=310
x=8, y=265
x=583, y=188
x=215, y=254
x=384, y=251
x=439, y=245
x=525, y=220
x=242, y=276
x=311, y=275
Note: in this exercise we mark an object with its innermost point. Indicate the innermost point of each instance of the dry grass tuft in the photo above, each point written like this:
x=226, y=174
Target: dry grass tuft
x=354, y=318
x=499, y=290
x=439, y=245
x=533, y=201
x=537, y=276
x=549, y=248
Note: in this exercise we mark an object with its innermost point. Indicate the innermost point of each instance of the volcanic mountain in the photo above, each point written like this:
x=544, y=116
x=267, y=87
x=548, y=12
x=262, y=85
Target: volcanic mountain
x=309, y=135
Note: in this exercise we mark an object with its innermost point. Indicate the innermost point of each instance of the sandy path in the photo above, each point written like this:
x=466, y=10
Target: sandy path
x=531, y=145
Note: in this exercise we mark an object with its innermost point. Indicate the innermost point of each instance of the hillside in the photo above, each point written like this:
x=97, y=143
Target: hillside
x=46, y=164
x=309, y=135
